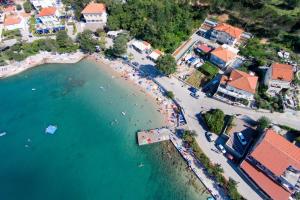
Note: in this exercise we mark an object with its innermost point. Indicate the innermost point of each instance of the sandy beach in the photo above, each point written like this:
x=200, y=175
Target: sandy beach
x=165, y=106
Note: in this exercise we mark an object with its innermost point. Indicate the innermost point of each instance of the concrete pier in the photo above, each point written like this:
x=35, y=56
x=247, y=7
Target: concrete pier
x=153, y=136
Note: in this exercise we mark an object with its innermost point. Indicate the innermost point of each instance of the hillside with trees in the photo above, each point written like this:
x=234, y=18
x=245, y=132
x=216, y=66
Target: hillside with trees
x=166, y=23
x=278, y=20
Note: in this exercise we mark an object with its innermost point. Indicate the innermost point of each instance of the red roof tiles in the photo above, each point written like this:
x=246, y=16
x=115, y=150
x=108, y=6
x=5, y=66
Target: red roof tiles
x=49, y=11
x=274, y=190
x=282, y=72
x=12, y=21
x=241, y=80
x=276, y=154
x=204, y=48
x=231, y=30
x=94, y=8
x=224, y=54
x=282, y=153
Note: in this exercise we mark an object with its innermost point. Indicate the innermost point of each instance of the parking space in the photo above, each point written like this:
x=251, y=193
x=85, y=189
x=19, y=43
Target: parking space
x=240, y=135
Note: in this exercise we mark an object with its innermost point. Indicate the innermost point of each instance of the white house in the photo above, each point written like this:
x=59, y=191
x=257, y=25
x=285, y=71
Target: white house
x=95, y=13
x=278, y=77
x=154, y=55
x=238, y=87
x=223, y=56
x=39, y=4
x=141, y=46
x=226, y=34
x=13, y=23
x=49, y=16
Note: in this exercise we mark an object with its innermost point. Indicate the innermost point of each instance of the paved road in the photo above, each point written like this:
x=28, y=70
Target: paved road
x=178, y=53
x=193, y=106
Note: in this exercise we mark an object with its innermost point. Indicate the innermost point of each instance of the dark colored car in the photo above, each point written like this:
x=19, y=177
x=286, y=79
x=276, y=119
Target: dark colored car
x=135, y=64
x=192, y=89
x=208, y=136
x=195, y=95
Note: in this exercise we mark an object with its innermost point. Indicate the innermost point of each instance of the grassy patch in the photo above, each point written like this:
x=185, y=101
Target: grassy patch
x=265, y=101
x=202, y=75
x=209, y=69
x=195, y=79
x=13, y=34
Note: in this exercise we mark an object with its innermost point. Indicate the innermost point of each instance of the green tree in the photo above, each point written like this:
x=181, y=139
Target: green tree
x=297, y=139
x=165, y=24
x=170, y=94
x=166, y=64
x=87, y=42
x=215, y=120
x=27, y=6
x=232, y=190
x=65, y=43
x=102, y=40
x=297, y=195
x=120, y=45
x=263, y=123
x=19, y=7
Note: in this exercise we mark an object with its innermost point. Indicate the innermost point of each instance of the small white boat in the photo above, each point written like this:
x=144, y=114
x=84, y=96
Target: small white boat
x=124, y=113
x=33, y=89
x=141, y=165
x=2, y=134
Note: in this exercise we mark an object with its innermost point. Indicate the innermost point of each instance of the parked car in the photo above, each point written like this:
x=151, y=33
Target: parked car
x=135, y=64
x=241, y=138
x=208, y=136
x=195, y=95
x=221, y=148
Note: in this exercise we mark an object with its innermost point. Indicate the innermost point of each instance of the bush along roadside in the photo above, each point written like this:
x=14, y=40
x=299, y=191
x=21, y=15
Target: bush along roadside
x=214, y=171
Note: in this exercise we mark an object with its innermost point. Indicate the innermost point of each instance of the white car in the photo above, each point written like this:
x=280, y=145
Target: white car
x=221, y=148
x=242, y=138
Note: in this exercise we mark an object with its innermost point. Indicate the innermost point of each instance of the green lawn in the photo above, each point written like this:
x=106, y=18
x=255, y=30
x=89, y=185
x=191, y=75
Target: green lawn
x=209, y=69
x=203, y=75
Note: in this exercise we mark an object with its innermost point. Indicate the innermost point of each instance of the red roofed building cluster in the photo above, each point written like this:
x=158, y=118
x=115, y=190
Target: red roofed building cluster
x=278, y=77
x=238, y=87
x=274, y=166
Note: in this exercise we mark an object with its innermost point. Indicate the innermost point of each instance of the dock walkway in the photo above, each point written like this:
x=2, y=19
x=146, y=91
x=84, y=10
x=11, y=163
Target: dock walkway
x=153, y=136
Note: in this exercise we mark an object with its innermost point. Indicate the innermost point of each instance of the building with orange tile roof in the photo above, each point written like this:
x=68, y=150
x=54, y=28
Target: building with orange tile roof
x=226, y=34
x=49, y=16
x=237, y=87
x=13, y=23
x=49, y=11
x=9, y=9
x=154, y=55
x=274, y=166
x=278, y=77
x=141, y=46
x=222, y=56
x=95, y=13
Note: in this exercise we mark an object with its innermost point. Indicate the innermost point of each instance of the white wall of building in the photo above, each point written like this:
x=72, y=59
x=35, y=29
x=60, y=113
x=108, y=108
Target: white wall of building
x=96, y=18
x=274, y=86
x=21, y=26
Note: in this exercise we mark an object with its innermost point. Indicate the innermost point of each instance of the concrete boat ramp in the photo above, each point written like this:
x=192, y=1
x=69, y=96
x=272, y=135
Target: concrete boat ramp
x=153, y=136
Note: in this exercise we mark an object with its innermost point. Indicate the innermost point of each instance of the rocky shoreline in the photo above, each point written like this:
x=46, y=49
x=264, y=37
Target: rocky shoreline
x=39, y=59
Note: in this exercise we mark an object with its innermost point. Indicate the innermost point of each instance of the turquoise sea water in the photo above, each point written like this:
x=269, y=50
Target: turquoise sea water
x=93, y=154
